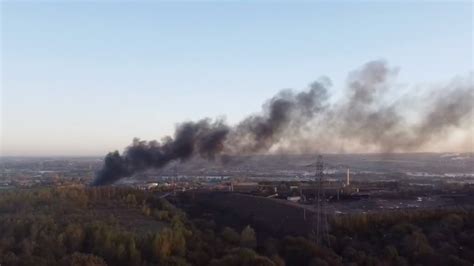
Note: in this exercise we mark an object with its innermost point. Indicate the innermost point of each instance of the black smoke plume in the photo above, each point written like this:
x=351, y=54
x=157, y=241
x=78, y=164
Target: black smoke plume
x=365, y=119
x=205, y=138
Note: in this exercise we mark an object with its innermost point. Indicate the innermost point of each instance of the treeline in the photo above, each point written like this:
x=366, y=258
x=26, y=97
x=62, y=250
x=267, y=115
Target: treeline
x=435, y=237
x=398, y=238
x=67, y=226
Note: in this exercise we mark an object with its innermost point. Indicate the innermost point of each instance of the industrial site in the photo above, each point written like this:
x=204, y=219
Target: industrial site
x=283, y=190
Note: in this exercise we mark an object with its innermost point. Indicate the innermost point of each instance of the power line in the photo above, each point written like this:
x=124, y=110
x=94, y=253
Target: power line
x=321, y=225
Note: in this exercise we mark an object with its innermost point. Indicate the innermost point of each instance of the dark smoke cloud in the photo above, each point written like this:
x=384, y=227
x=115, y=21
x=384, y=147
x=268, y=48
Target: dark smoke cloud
x=363, y=116
x=310, y=121
x=205, y=138
x=285, y=111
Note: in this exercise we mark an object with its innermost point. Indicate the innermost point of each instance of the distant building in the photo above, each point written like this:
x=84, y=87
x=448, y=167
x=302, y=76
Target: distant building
x=151, y=185
x=244, y=186
x=294, y=198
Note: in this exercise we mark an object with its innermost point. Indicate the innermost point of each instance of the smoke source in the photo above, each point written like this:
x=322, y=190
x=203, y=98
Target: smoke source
x=310, y=120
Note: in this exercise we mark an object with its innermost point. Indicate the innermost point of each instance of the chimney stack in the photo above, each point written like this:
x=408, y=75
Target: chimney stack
x=348, y=180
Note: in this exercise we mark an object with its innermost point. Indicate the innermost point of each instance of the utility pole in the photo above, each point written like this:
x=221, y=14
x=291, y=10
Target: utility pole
x=321, y=226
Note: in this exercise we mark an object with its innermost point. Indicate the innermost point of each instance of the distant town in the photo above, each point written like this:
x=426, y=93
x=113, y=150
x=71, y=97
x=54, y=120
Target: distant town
x=352, y=183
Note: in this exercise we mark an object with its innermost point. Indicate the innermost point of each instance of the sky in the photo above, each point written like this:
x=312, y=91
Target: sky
x=86, y=77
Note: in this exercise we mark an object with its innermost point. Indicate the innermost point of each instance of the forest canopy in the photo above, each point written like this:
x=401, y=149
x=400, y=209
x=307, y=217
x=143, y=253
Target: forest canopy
x=125, y=226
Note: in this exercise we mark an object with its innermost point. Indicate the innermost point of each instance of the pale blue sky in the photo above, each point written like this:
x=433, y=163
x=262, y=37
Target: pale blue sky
x=84, y=78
